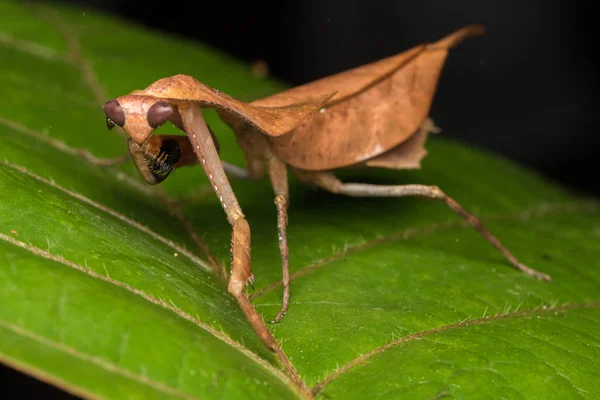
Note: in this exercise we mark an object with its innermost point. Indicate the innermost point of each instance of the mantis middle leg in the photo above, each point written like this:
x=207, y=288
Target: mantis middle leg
x=279, y=181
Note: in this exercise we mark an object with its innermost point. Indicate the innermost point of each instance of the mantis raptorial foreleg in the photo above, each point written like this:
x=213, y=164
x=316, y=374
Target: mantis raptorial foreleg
x=279, y=181
x=328, y=181
x=241, y=269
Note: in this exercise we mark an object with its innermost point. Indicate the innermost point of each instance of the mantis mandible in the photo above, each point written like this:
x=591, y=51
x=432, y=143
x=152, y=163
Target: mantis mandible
x=374, y=116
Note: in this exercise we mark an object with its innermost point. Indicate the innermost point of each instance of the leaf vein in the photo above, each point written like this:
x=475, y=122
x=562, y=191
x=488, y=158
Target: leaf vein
x=560, y=347
x=76, y=58
x=535, y=211
x=98, y=361
x=111, y=212
x=418, y=335
x=161, y=303
x=62, y=146
x=32, y=48
x=540, y=359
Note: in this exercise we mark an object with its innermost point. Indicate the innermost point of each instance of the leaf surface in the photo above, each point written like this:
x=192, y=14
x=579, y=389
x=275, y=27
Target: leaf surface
x=106, y=293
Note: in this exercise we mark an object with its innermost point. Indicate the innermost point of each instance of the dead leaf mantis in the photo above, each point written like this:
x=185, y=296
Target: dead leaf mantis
x=374, y=116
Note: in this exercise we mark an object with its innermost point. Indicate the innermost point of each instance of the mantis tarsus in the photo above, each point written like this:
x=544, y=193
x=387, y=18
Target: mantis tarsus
x=375, y=116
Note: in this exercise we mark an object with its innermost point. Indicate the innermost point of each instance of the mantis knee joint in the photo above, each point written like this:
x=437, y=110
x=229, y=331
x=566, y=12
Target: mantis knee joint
x=281, y=201
x=235, y=287
x=437, y=193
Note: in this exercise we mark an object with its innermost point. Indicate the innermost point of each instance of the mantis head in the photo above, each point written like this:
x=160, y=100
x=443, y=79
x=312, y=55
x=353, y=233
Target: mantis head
x=155, y=156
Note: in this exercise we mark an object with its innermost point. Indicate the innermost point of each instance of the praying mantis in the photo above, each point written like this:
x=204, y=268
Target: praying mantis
x=371, y=116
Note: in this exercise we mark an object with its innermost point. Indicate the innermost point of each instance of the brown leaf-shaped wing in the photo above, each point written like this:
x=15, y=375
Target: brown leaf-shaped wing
x=408, y=154
x=375, y=108
x=273, y=121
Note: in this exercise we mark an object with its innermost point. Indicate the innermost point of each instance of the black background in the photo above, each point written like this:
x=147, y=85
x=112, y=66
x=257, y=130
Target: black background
x=527, y=90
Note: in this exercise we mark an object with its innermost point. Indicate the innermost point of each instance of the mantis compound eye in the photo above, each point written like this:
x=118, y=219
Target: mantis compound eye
x=159, y=113
x=157, y=159
x=114, y=114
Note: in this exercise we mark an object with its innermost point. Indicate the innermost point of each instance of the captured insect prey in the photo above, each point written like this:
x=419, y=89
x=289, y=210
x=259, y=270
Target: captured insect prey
x=376, y=115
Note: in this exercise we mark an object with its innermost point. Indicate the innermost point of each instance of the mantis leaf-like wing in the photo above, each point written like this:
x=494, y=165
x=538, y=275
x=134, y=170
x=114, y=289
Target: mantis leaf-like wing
x=375, y=108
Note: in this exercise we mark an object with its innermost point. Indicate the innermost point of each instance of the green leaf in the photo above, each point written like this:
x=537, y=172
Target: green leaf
x=105, y=292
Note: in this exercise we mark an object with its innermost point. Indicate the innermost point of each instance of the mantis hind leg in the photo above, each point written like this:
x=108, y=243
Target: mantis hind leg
x=329, y=182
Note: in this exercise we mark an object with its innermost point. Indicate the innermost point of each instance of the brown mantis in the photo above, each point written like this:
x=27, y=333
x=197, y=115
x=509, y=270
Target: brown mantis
x=374, y=116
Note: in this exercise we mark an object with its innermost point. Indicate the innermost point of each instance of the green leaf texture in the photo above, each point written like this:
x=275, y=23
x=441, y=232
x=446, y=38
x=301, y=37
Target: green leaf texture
x=106, y=288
